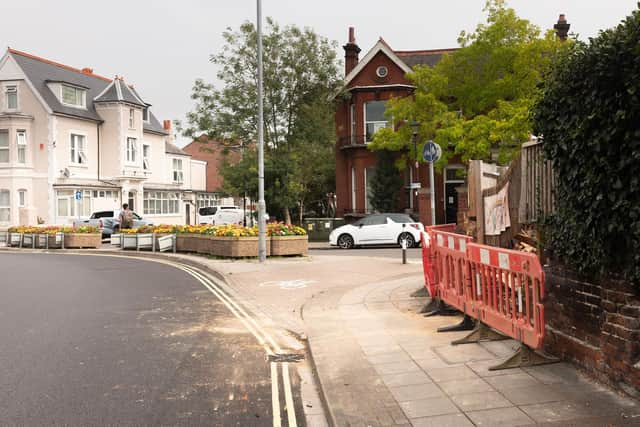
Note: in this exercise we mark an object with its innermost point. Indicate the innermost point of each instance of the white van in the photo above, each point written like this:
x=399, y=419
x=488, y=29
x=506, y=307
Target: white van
x=219, y=215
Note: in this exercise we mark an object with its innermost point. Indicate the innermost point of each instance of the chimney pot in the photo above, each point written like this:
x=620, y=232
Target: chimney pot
x=351, y=51
x=352, y=37
x=87, y=70
x=166, y=125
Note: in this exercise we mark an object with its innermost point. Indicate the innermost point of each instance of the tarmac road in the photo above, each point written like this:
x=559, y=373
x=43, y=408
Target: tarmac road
x=89, y=340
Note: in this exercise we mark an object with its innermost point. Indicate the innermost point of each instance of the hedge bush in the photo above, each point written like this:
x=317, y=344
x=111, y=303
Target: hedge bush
x=589, y=118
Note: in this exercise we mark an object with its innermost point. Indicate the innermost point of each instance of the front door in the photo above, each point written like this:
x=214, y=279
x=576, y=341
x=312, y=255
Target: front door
x=452, y=180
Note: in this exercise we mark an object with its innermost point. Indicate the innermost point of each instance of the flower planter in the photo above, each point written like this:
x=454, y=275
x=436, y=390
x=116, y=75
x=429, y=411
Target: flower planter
x=145, y=241
x=15, y=239
x=233, y=247
x=115, y=239
x=129, y=241
x=41, y=240
x=27, y=240
x=289, y=245
x=164, y=242
x=79, y=240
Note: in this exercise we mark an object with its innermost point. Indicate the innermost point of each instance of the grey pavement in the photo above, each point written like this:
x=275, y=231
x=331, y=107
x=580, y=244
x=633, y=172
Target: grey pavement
x=380, y=363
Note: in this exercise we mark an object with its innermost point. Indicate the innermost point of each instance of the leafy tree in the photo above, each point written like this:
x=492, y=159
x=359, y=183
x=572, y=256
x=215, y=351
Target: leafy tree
x=476, y=101
x=385, y=183
x=589, y=117
x=300, y=77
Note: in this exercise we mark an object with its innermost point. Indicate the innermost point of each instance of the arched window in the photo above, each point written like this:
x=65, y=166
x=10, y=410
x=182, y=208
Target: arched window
x=5, y=206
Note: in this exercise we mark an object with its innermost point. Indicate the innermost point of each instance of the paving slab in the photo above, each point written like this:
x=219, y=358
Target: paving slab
x=463, y=386
x=480, y=401
x=451, y=420
x=507, y=417
x=408, y=393
x=429, y=407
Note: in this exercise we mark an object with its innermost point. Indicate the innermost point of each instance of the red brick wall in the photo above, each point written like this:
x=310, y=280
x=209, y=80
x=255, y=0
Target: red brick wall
x=213, y=153
x=595, y=325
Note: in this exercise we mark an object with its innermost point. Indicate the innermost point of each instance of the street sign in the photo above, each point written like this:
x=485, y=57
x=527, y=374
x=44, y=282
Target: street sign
x=414, y=185
x=431, y=152
x=78, y=195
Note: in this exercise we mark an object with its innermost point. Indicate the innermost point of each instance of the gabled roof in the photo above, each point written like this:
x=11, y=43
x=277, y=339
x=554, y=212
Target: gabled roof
x=118, y=91
x=380, y=46
x=406, y=60
x=41, y=71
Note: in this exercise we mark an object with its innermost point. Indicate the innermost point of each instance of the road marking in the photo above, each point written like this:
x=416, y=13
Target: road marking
x=288, y=396
x=275, y=402
x=288, y=284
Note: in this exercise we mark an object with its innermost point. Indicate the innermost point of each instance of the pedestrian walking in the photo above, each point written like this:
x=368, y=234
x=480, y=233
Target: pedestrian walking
x=126, y=217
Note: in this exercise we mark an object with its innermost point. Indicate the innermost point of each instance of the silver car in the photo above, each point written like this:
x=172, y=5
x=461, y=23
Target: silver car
x=109, y=221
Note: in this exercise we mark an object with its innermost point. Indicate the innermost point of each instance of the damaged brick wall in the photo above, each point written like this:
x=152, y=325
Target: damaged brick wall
x=595, y=325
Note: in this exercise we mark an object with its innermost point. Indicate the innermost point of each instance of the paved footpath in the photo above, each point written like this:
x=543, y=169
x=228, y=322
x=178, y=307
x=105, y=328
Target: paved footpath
x=380, y=363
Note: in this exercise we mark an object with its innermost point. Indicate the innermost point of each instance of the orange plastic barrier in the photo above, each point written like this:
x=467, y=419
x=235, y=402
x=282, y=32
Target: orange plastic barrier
x=508, y=288
x=451, y=268
x=428, y=256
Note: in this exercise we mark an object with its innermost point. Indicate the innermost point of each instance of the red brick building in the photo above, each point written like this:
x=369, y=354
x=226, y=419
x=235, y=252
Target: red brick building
x=369, y=82
x=213, y=153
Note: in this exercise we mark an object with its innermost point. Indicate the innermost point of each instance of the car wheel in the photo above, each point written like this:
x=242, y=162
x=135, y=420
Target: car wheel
x=345, y=241
x=409, y=238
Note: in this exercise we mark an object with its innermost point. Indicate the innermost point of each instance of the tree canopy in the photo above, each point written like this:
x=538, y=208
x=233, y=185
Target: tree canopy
x=476, y=101
x=300, y=77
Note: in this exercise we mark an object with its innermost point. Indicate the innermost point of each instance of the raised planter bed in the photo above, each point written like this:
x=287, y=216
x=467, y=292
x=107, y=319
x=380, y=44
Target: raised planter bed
x=234, y=247
x=73, y=240
x=15, y=239
x=289, y=245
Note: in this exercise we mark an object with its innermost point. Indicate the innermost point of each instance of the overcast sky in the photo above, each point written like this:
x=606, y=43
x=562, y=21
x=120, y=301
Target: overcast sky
x=162, y=46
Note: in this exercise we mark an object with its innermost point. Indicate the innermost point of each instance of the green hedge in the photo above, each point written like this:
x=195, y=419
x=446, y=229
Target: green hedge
x=589, y=118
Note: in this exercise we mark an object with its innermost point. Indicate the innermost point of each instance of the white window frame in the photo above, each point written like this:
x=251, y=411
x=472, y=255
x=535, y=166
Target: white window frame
x=7, y=148
x=21, y=144
x=146, y=157
x=386, y=123
x=11, y=89
x=161, y=203
x=6, y=207
x=178, y=173
x=132, y=150
x=352, y=113
x=81, y=91
x=22, y=198
x=353, y=189
x=145, y=112
x=132, y=118
x=78, y=152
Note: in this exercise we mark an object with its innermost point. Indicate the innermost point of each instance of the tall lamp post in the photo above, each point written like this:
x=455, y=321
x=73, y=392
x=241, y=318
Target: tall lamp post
x=415, y=127
x=262, y=221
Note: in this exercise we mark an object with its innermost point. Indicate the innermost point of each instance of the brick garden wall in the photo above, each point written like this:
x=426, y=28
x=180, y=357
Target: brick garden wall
x=595, y=325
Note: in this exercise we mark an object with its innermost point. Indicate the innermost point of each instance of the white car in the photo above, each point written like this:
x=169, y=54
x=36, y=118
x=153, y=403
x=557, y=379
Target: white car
x=378, y=229
x=218, y=215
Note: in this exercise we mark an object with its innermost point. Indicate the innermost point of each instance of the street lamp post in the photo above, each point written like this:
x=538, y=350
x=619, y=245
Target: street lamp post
x=415, y=127
x=262, y=223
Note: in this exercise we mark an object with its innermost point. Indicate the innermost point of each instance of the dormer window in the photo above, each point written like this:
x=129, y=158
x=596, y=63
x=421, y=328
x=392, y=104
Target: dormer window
x=12, y=97
x=73, y=96
x=145, y=114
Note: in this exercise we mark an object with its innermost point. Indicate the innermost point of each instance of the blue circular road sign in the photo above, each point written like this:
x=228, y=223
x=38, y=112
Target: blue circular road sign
x=431, y=152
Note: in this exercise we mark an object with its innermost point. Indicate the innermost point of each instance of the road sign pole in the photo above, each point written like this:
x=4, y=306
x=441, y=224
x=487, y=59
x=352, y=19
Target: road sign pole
x=433, y=194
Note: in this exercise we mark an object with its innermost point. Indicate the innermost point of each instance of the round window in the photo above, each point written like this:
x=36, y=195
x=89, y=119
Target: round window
x=382, y=71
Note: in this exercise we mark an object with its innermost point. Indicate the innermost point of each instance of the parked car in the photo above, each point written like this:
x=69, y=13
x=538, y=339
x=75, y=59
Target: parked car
x=378, y=229
x=218, y=215
x=109, y=221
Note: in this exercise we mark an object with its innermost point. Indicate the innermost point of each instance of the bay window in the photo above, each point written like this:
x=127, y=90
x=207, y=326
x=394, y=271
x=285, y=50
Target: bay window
x=11, y=93
x=4, y=146
x=161, y=203
x=177, y=170
x=146, y=157
x=132, y=150
x=21, y=142
x=374, y=118
x=5, y=206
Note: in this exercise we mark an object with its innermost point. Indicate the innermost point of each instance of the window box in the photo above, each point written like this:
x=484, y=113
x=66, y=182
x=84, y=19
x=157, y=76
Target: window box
x=289, y=245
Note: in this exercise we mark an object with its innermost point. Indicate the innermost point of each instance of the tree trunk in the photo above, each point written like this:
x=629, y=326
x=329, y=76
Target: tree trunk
x=301, y=212
x=287, y=216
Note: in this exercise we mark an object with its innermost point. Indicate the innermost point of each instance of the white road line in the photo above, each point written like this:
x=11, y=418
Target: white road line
x=288, y=396
x=275, y=401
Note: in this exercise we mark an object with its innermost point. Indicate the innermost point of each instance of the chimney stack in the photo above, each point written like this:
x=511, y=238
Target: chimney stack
x=351, y=51
x=562, y=27
x=166, y=124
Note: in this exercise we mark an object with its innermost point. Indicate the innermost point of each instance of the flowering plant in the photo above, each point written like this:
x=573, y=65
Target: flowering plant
x=281, y=229
x=84, y=229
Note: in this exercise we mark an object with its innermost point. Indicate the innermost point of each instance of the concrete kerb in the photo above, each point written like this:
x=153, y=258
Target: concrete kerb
x=193, y=261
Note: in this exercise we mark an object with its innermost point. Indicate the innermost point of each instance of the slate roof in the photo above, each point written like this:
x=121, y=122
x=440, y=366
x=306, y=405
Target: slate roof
x=119, y=91
x=41, y=71
x=174, y=149
x=422, y=57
